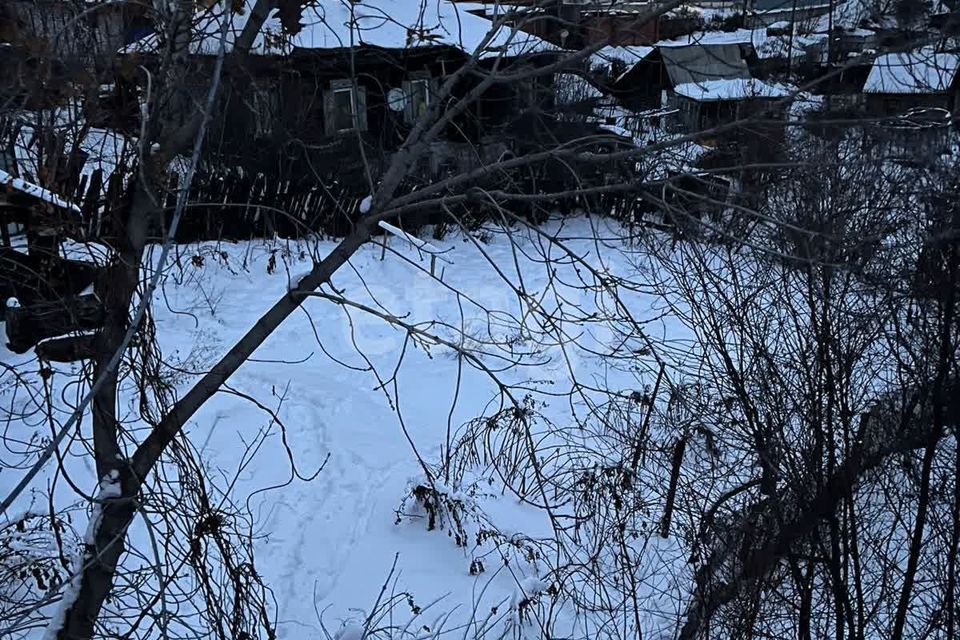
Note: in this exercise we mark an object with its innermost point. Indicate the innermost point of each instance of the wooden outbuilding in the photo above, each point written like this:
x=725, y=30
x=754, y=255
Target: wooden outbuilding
x=42, y=215
x=925, y=79
x=38, y=287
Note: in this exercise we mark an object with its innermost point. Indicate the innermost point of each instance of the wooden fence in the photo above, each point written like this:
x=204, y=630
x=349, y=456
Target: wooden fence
x=298, y=193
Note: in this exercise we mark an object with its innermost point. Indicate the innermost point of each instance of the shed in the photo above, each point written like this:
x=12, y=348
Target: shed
x=710, y=103
x=40, y=274
x=920, y=79
x=42, y=213
x=695, y=60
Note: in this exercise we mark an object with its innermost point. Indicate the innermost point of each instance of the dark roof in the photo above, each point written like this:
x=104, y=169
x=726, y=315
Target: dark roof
x=787, y=5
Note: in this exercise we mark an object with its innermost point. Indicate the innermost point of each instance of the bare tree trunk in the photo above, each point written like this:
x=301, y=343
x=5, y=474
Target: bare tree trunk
x=939, y=401
x=916, y=543
x=117, y=287
x=950, y=601
x=99, y=564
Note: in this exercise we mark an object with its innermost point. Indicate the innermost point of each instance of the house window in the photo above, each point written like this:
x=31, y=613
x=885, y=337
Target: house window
x=345, y=107
x=419, y=91
x=263, y=111
x=419, y=97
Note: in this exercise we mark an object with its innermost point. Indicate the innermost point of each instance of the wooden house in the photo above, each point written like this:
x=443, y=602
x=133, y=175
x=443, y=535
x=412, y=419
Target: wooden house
x=312, y=118
x=708, y=104
x=360, y=71
x=911, y=100
x=837, y=63
x=641, y=85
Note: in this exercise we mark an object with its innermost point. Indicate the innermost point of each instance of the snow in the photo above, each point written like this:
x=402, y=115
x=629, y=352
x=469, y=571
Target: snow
x=393, y=24
x=765, y=45
x=328, y=544
x=781, y=6
x=350, y=631
x=105, y=149
x=617, y=130
x=365, y=204
x=59, y=615
x=422, y=245
x=12, y=303
x=36, y=191
x=572, y=88
x=704, y=38
x=108, y=489
x=921, y=71
x=783, y=46
x=849, y=15
x=731, y=89
x=533, y=586
x=629, y=55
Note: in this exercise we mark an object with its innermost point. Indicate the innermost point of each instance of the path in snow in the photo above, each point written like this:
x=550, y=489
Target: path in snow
x=328, y=544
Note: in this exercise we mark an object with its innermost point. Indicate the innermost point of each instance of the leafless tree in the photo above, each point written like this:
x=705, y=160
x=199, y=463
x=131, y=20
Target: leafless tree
x=796, y=454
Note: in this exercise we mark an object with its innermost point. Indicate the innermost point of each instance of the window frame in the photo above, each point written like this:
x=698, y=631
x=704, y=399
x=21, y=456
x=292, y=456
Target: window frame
x=429, y=84
x=427, y=98
x=350, y=88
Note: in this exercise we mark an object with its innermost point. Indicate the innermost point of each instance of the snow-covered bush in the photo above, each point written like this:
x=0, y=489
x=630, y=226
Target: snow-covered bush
x=35, y=552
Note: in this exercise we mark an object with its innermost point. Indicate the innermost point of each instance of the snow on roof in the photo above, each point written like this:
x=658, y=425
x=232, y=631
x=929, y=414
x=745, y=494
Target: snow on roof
x=392, y=24
x=921, y=71
x=573, y=88
x=38, y=192
x=766, y=46
x=859, y=32
x=847, y=14
x=784, y=46
x=491, y=10
x=704, y=38
x=629, y=55
x=774, y=6
x=731, y=89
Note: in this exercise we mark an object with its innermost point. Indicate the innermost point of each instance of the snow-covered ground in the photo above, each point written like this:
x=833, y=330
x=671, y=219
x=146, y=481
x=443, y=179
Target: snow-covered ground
x=359, y=398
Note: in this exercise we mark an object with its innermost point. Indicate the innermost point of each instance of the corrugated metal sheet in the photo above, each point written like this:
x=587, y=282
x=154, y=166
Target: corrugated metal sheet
x=704, y=63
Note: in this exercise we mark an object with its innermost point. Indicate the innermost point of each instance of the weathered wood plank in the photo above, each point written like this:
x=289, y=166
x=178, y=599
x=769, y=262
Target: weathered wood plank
x=67, y=348
x=26, y=326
